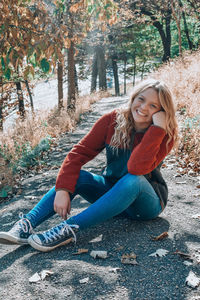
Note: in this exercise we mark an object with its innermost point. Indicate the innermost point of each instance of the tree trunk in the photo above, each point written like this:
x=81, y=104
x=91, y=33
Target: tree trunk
x=177, y=18
x=167, y=48
x=30, y=95
x=60, y=85
x=134, y=68
x=71, y=78
x=115, y=74
x=94, y=73
x=165, y=36
x=1, y=105
x=101, y=66
x=1, y=114
x=190, y=43
x=76, y=80
x=125, y=76
x=20, y=100
x=142, y=73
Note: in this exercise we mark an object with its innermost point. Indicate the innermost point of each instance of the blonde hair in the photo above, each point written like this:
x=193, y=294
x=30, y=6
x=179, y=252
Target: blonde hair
x=124, y=119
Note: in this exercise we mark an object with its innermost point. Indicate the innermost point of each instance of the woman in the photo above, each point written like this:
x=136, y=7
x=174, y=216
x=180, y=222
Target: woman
x=137, y=139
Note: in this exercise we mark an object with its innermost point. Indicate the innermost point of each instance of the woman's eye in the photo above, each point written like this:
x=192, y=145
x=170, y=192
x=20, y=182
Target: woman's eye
x=154, y=106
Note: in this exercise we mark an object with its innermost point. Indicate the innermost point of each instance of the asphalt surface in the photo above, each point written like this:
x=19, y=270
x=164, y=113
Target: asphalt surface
x=152, y=278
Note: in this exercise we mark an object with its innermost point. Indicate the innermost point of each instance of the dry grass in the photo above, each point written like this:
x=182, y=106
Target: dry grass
x=183, y=78
x=25, y=136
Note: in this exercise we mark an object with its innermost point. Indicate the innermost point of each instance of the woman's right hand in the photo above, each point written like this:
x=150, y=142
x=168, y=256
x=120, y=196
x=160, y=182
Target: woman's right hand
x=62, y=204
x=159, y=119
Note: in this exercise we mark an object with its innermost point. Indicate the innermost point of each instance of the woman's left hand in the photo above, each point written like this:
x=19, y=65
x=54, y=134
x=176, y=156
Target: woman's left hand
x=159, y=119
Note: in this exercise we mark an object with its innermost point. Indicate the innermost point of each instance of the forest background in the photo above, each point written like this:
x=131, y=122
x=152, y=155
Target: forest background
x=102, y=40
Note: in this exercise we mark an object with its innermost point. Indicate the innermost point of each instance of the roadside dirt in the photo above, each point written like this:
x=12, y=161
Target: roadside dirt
x=152, y=278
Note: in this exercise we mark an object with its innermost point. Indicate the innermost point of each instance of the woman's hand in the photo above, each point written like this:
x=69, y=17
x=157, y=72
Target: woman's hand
x=159, y=119
x=62, y=204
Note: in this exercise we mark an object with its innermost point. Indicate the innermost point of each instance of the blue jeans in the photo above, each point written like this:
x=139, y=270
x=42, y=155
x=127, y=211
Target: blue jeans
x=132, y=195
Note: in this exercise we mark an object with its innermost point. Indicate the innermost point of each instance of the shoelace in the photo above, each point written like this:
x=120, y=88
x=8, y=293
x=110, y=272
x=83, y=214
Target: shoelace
x=57, y=232
x=25, y=224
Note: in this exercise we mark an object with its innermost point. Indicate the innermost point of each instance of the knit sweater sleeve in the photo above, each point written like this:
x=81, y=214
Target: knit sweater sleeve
x=149, y=153
x=92, y=144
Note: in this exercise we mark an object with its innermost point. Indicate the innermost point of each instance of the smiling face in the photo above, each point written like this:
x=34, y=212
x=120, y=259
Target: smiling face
x=143, y=107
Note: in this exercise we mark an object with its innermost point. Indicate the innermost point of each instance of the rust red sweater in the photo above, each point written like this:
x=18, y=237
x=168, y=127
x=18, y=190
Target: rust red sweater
x=143, y=158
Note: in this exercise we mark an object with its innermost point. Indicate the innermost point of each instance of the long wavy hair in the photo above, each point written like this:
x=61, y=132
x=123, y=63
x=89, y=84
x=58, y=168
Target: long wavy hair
x=125, y=122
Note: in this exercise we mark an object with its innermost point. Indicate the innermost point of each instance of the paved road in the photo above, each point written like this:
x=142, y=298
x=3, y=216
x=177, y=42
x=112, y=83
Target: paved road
x=153, y=278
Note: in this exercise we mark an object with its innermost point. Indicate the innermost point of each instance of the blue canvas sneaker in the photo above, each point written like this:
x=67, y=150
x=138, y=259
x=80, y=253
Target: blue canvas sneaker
x=18, y=234
x=55, y=237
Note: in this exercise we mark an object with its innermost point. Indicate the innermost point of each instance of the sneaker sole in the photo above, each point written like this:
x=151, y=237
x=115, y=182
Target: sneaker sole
x=39, y=247
x=7, y=239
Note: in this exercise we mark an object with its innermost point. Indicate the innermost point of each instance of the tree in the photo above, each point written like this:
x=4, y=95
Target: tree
x=99, y=68
x=24, y=43
x=195, y=6
x=159, y=14
x=190, y=43
x=177, y=13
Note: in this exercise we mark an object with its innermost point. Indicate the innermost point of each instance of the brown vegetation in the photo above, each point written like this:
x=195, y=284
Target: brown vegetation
x=183, y=77
x=25, y=135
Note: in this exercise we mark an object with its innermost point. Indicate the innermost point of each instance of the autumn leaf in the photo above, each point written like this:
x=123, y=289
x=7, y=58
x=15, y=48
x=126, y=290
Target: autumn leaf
x=129, y=259
x=182, y=254
x=159, y=252
x=192, y=280
x=74, y=8
x=99, y=254
x=67, y=43
x=161, y=236
x=80, y=251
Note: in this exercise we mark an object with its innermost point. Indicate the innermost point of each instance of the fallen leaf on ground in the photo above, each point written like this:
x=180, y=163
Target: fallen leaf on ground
x=114, y=270
x=196, y=216
x=192, y=280
x=40, y=276
x=99, y=254
x=185, y=255
x=84, y=280
x=80, y=251
x=196, y=257
x=187, y=263
x=159, y=252
x=45, y=273
x=129, y=259
x=196, y=195
x=177, y=175
x=198, y=186
x=97, y=239
x=119, y=248
x=29, y=197
x=35, y=278
x=161, y=236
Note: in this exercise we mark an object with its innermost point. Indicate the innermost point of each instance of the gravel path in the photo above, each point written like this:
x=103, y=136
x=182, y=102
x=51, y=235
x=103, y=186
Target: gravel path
x=151, y=278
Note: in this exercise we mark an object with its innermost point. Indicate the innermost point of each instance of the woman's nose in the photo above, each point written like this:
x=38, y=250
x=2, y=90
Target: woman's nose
x=144, y=106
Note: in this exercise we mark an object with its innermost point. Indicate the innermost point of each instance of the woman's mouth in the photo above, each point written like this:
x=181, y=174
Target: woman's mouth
x=140, y=113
